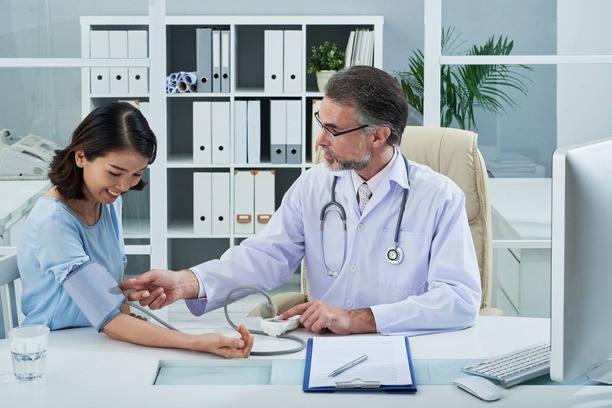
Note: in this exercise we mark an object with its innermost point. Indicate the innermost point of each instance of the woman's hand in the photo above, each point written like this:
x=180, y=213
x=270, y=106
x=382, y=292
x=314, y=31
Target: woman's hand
x=226, y=346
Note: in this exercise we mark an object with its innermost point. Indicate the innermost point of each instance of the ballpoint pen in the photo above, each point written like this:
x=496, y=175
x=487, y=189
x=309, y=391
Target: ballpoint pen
x=348, y=365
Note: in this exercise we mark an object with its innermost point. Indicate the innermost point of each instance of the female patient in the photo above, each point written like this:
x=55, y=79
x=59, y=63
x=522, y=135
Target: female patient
x=71, y=253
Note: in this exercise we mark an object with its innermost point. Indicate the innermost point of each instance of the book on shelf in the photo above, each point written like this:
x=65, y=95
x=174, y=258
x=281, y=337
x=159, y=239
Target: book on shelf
x=359, y=48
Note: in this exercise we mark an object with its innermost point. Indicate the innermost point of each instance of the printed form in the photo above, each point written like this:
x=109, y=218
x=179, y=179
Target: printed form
x=387, y=360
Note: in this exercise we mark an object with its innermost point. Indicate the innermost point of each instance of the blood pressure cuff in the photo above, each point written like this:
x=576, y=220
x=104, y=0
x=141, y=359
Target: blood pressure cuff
x=95, y=292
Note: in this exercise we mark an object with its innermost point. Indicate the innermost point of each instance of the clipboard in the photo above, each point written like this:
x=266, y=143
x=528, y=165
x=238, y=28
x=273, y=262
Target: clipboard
x=358, y=384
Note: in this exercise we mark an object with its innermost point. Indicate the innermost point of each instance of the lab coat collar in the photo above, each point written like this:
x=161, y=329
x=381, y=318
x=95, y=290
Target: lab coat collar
x=396, y=175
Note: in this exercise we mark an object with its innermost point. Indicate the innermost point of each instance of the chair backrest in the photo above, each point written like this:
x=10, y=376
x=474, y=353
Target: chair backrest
x=9, y=273
x=454, y=153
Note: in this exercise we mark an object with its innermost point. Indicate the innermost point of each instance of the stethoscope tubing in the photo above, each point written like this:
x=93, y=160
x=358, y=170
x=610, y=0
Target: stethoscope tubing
x=334, y=205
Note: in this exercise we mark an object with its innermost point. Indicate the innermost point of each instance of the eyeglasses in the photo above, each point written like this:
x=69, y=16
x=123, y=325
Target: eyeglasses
x=331, y=132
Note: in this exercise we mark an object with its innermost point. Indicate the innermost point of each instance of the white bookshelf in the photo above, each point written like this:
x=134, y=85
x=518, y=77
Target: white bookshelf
x=172, y=47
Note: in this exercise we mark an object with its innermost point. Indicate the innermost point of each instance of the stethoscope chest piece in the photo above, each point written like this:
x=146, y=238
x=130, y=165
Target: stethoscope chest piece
x=395, y=255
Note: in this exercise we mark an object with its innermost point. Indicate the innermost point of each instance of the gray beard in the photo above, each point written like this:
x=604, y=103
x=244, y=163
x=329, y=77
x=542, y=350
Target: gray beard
x=356, y=165
x=351, y=164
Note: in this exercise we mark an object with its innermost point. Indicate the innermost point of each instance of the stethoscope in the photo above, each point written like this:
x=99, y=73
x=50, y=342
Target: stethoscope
x=395, y=254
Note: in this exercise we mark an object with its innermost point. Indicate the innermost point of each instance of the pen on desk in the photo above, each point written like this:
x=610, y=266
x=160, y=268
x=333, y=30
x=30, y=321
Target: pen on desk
x=348, y=365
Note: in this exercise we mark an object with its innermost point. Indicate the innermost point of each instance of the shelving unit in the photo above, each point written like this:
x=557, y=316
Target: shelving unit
x=172, y=242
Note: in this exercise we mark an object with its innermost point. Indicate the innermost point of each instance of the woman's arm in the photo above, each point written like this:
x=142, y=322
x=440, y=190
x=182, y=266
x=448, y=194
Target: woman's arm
x=132, y=330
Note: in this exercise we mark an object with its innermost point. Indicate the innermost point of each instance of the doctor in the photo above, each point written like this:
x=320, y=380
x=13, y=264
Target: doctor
x=397, y=259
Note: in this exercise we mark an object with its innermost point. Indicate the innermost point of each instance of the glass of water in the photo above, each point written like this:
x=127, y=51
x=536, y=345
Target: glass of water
x=29, y=350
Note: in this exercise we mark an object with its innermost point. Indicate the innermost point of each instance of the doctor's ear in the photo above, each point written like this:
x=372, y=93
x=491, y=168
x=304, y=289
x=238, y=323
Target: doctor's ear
x=380, y=134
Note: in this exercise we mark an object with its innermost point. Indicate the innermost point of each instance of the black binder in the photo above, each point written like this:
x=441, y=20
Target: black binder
x=359, y=384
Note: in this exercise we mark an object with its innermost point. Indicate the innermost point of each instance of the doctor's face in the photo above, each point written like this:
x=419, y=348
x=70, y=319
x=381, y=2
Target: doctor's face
x=346, y=151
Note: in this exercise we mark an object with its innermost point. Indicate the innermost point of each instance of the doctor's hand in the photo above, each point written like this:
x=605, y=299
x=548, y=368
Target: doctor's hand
x=158, y=288
x=318, y=316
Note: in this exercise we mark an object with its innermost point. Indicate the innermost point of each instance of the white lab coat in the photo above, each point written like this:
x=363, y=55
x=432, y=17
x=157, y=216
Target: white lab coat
x=435, y=288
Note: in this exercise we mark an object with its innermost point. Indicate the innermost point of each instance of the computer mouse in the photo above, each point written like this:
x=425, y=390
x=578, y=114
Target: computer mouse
x=479, y=387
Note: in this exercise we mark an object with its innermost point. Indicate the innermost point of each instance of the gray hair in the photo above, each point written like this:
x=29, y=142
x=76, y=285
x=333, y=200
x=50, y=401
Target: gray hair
x=377, y=96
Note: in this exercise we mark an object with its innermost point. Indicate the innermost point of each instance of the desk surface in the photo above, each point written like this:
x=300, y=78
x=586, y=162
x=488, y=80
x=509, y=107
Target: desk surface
x=87, y=369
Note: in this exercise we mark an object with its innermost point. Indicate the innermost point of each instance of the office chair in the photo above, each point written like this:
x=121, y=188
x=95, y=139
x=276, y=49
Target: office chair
x=454, y=153
x=8, y=295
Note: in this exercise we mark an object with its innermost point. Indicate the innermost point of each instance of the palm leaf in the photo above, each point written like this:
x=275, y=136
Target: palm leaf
x=464, y=88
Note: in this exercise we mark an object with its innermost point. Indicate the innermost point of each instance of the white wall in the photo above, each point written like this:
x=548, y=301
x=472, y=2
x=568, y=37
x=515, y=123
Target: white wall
x=584, y=106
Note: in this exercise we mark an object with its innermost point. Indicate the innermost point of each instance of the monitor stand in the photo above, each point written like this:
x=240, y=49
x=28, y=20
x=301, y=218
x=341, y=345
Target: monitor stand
x=602, y=373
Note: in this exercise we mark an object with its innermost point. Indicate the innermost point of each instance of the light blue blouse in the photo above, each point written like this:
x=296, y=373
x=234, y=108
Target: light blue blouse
x=55, y=242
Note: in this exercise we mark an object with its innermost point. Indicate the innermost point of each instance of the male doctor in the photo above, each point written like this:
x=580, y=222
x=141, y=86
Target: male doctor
x=398, y=268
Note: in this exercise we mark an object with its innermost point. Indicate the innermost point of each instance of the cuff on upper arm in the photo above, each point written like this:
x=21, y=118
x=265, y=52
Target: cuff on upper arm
x=95, y=292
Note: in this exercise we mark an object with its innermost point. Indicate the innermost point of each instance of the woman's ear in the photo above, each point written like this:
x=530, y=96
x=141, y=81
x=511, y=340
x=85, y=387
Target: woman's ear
x=79, y=158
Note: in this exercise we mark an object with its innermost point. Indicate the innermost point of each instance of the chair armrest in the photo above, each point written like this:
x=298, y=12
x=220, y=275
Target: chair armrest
x=491, y=311
x=283, y=302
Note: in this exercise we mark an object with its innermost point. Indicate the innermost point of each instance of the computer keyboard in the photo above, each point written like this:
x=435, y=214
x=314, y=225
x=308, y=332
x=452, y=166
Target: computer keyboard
x=515, y=367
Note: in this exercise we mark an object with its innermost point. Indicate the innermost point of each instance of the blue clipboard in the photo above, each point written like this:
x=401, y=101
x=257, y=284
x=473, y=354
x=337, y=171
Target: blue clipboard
x=358, y=384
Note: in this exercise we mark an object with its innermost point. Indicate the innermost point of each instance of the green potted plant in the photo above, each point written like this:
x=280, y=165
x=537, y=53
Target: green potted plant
x=325, y=60
x=465, y=87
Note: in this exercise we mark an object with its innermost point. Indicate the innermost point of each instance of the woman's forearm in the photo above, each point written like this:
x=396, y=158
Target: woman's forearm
x=132, y=330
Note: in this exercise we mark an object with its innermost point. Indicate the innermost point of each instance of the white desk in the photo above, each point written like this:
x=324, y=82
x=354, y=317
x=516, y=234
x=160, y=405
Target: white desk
x=87, y=369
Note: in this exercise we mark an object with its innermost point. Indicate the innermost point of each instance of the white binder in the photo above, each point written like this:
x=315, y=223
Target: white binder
x=264, y=198
x=202, y=132
x=240, y=132
x=294, y=131
x=204, y=59
x=119, y=80
x=278, y=131
x=220, y=203
x=225, y=61
x=244, y=204
x=216, y=61
x=254, y=131
x=98, y=48
x=138, y=81
x=100, y=83
x=220, y=119
x=273, y=61
x=137, y=44
x=118, y=44
x=98, y=44
x=202, y=203
x=292, y=60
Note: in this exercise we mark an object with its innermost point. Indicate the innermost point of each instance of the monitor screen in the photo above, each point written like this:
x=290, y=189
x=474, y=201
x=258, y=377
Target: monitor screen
x=581, y=259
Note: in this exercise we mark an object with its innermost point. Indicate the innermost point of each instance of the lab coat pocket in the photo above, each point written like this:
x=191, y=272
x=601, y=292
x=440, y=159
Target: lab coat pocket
x=409, y=277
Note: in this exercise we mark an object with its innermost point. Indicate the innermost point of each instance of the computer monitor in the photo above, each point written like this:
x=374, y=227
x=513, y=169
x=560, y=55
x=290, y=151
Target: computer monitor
x=581, y=259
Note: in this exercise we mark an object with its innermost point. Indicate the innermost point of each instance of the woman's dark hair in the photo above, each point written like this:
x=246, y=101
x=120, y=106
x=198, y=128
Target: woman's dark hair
x=114, y=126
x=377, y=96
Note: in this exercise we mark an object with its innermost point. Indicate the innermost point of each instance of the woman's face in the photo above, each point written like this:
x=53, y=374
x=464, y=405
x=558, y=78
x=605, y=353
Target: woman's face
x=107, y=177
